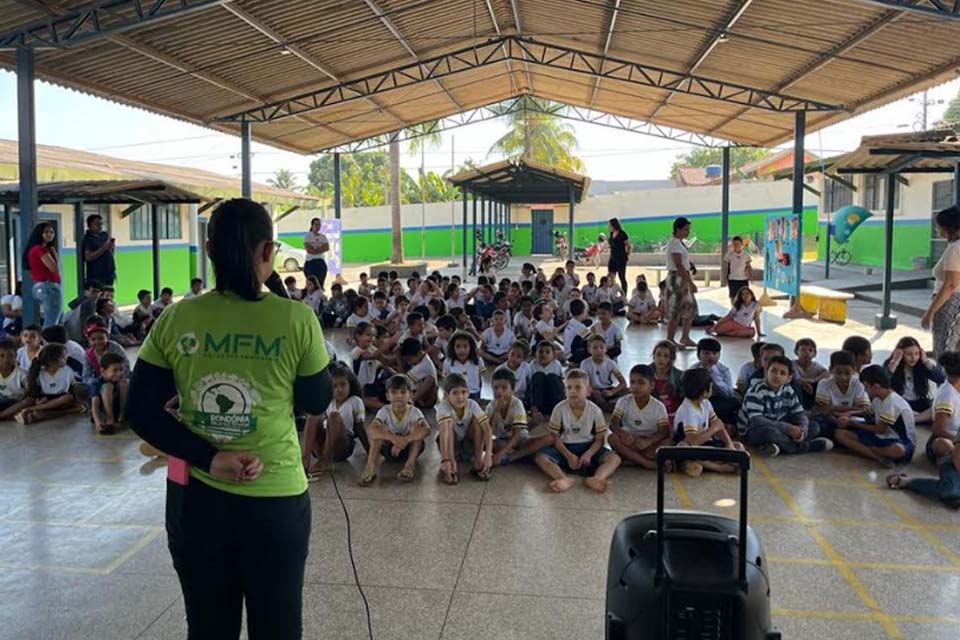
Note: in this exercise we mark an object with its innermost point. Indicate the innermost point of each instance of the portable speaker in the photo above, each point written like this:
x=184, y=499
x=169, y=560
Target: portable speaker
x=683, y=575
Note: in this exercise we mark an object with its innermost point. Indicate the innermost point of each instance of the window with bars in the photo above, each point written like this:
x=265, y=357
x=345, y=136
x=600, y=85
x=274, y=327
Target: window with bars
x=942, y=194
x=874, y=193
x=836, y=195
x=168, y=222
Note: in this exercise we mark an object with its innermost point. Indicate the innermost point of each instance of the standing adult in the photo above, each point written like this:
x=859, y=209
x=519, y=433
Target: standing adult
x=98, y=248
x=619, y=251
x=943, y=314
x=316, y=244
x=40, y=259
x=240, y=360
x=681, y=307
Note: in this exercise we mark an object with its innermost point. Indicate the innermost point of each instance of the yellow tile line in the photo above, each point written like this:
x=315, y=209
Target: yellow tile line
x=915, y=524
x=682, y=495
x=885, y=566
x=861, y=616
x=858, y=587
x=132, y=551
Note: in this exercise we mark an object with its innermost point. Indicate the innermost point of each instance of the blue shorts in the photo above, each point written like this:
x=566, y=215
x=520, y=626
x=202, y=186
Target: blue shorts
x=679, y=436
x=870, y=439
x=578, y=450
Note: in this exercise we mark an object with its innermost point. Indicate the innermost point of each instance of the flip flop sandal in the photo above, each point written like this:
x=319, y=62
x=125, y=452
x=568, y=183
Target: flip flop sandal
x=406, y=475
x=479, y=474
x=448, y=477
x=24, y=417
x=367, y=480
x=896, y=480
x=106, y=430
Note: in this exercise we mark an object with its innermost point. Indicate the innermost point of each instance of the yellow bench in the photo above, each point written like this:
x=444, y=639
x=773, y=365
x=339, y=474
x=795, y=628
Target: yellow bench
x=828, y=304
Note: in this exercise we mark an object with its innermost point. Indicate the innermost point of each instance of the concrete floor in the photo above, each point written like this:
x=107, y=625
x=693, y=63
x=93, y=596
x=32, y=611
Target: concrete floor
x=83, y=552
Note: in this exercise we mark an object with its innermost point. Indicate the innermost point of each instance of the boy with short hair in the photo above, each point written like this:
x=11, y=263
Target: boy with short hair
x=420, y=371
x=946, y=411
x=809, y=371
x=724, y=399
x=196, y=288
x=639, y=425
x=546, y=381
x=575, y=333
x=841, y=396
x=508, y=422
x=290, y=285
x=736, y=272
x=521, y=370
x=523, y=320
x=750, y=368
x=579, y=430
x=697, y=425
x=606, y=327
x=463, y=432
x=772, y=417
x=32, y=341
x=606, y=382
x=13, y=382
x=109, y=398
x=861, y=350
x=165, y=300
x=398, y=427
x=570, y=274
x=496, y=340
x=589, y=292
x=890, y=437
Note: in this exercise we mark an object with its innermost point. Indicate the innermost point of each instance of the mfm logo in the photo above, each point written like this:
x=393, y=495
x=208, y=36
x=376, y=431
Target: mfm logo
x=242, y=345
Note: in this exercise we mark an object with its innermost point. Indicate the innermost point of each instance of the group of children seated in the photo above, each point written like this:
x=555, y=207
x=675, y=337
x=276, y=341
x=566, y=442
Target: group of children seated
x=561, y=401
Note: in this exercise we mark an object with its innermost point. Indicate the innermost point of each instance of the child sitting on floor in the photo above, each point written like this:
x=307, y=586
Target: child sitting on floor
x=737, y=323
x=53, y=387
x=398, y=427
x=606, y=382
x=545, y=329
x=643, y=307
x=946, y=411
x=696, y=424
x=772, y=417
x=911, y=373
x=13, y=381
x=667, y=378
x=109, y=394
x=809, y=372
x=611, y=331
x=841, y=396
x=749, y=369
x=546, y=382
x=521, y=369
x=420, y=371
x=462, y=358
x=332, y=436
x=496, y=340
x=463, y=432
x=508, y=422
x=575, y=334
x=861, y=350
x=889, y=438
x=639, y=425
x=579, y=430
x=32, y=343
x=724, y=399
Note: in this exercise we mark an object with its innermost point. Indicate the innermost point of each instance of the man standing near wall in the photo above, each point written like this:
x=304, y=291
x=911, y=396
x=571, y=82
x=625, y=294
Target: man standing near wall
x=98, y=248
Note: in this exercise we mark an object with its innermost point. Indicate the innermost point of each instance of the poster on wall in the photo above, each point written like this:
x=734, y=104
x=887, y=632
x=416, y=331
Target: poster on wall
x=781, y=252
x=331, y=227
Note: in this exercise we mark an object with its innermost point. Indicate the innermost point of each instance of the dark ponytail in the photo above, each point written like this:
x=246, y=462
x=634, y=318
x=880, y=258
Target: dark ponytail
x=236, y=230
x=47, y=356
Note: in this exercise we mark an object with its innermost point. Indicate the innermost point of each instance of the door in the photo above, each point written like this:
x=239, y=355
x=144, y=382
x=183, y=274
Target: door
x=203, y=262
x=541, y=231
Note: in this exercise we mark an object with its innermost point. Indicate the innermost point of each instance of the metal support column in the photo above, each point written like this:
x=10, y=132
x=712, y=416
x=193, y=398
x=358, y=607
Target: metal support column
x=78, y=232
x=509, y=220
x=724, y=203
x=155, y=248
x=473, y=260
x=826, y=257
x=483, y=219
x=464, y=192
x=573, y=197
x=246, y=171
x=336, y=186
x=800, y=132
x=956, y=183
x=27, y=144
x=884, y=319
x=7, y=254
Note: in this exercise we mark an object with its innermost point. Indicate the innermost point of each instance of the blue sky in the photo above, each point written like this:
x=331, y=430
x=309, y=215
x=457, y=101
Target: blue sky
x=72, y=119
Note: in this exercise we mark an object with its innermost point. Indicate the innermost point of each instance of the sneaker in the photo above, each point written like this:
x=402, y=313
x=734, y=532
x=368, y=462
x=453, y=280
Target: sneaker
x=818, y=445
x=769, y=450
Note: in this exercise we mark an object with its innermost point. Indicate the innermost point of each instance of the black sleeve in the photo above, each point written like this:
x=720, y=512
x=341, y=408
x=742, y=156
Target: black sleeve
x=151, y=387
x=312, y=394
x=275, y=284
x=936, y=374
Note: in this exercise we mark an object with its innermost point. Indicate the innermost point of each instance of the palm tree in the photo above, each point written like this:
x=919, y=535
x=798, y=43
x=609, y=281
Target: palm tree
x=426, y=135
x=536, y=134
x=284, y=179
x=396, y=253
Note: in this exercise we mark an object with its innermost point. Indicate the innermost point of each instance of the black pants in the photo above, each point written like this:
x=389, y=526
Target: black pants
x=229, y=549
x=546, y=392
x=734, y=286
x=316, y=267
x=619, y=268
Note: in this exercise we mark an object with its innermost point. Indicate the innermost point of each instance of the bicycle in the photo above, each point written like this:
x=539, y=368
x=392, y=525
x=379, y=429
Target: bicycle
x=840, y=257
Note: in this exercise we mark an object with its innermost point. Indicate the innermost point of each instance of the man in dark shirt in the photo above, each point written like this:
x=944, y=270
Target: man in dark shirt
x=98, y=249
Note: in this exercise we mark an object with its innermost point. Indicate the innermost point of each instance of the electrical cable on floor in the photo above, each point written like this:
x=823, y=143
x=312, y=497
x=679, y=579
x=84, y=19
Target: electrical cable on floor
x=353, y=562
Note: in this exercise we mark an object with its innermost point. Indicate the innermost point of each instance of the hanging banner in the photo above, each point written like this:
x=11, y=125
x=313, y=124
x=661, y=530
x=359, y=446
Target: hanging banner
x=331, y=227
x=781, y=252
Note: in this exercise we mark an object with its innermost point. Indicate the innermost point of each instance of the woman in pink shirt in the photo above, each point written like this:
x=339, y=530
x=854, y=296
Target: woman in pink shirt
x=40, y=258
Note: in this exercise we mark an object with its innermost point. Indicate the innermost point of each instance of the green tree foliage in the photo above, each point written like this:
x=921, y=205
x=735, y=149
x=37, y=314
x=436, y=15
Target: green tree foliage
x=952, y=115
x=539, y=136
x=702, y=157
x=284, y=179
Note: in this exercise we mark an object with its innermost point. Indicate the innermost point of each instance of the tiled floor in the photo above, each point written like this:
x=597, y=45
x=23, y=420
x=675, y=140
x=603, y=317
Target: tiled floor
x=83, y=553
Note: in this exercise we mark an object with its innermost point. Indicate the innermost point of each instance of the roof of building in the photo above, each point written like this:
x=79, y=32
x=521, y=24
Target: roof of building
x=314, y=74
x=103, y=192
x=756, y=167
x=60, y=163
x=694, y=177
x=523, y=181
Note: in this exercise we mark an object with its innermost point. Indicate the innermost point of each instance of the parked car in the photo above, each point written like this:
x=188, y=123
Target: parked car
x=290, y=258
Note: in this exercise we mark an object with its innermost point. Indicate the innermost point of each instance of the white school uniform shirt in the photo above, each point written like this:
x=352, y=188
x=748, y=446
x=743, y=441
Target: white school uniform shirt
x=745, y=314
x=692, y=419
x=642, y=303
x=814, y=371
x=14, y=386
x=573, y=329
x=23, y=360
x=351, y=412
x=461, y=421
x=611, y=335
x=891, y=409
x=314, y=300
x=949, y=261
x=947, y=401
x=454, y=303
x=314, y=240
x=522, y=325
x=469, y=370
x=522, y=374
x=76, y=352
x=503, y=426
x=604, y=294
x=572, y=280
x=574, y=429
x=498, y=344
x=829, y=393
x=589, y=293
x=353, y=319
x=601, y=375
x=554, y=368
x=57, y=384
x=16, y=304
x=676, y=246
x=643, y=422
x=745, y=373
x=542, y=327
x=365, y=370
x=399, y=425
x=738, y=264
x=421, y=371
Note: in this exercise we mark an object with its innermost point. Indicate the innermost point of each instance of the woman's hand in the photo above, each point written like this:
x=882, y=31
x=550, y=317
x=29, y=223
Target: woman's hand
x=236, y=466
x=927, y=320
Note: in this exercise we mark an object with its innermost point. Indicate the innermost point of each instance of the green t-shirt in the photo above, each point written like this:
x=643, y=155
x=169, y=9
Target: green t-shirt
x=234, y=362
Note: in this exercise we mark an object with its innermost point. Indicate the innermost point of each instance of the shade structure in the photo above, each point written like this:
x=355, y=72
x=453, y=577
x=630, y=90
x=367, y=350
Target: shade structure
x=103, y=192
x=522, y=181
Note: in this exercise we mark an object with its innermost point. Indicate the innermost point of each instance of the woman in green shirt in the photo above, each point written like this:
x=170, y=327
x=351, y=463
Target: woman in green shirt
x=240, y=360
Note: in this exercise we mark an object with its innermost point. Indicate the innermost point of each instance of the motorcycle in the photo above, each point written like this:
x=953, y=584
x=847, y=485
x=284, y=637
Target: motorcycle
x=591, y=252
x=499, y=252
